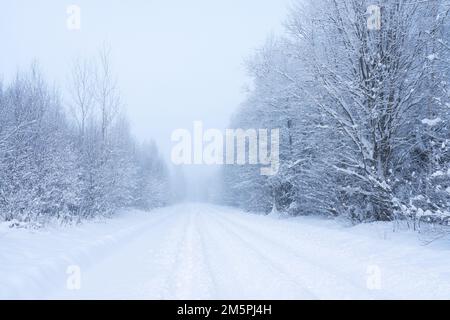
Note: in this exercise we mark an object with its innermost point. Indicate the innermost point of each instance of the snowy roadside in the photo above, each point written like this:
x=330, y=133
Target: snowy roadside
x=193, y=251
x=392, y=261
x=33, y=262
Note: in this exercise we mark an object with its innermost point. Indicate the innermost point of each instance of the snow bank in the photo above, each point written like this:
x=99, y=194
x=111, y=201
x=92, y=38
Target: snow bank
x=35, y=262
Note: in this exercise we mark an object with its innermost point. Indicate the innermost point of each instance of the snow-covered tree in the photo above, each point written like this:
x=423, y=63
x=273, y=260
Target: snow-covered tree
x=363, y=113
x=69, y=166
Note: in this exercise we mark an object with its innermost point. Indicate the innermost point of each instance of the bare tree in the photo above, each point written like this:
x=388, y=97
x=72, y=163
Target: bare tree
x=82, y=93
x=106, y=91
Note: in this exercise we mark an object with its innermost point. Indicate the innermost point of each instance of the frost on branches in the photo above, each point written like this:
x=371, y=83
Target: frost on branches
x=364, y=113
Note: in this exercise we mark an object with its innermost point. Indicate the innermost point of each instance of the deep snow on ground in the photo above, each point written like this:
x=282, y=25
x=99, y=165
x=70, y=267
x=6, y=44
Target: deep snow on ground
x=202, y=251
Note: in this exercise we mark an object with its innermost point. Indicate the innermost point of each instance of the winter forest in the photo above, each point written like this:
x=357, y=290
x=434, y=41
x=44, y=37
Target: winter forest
x=364, y=114
x=93, y=204
x=75, y=161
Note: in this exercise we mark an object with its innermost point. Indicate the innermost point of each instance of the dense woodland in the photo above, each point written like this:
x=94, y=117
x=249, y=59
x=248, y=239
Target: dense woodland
x=364, y=114
x=71, y=157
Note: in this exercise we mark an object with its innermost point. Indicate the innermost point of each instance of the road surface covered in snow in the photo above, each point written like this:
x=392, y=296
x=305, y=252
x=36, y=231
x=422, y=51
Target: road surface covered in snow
x=201, y=251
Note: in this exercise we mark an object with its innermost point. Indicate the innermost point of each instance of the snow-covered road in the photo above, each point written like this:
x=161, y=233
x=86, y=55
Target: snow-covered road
x=200, y=251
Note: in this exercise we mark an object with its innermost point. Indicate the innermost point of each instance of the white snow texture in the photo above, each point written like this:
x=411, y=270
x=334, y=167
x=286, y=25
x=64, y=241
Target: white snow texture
x=201, y=251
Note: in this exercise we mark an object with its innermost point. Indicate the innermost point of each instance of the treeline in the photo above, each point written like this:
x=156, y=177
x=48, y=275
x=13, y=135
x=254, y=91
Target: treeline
x=363, y=114
x=74, y=158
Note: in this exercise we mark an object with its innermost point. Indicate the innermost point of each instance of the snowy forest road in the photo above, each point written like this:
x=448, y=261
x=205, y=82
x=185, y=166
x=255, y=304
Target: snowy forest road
x=200, y=251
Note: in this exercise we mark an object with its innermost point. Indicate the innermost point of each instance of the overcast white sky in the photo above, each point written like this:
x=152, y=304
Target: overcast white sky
x=177, y=60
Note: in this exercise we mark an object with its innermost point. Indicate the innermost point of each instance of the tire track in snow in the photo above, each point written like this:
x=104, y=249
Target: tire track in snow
x=205, y=256
x=102, y=249
x=255, y=274
x=191, y=277
x=164, y=255
x=323, y=279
